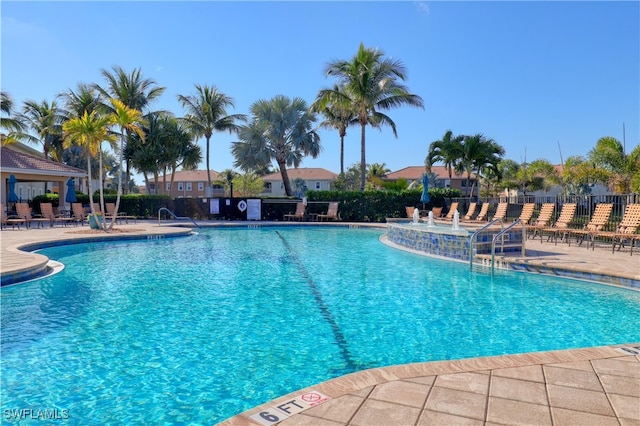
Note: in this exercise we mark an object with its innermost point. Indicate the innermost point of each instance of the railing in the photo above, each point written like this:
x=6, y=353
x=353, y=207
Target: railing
x=501, y=234
x=475, y=236
x=175, y=217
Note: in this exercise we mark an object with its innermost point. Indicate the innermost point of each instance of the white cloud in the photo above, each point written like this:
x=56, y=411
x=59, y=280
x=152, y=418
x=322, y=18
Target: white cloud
x=422, y=7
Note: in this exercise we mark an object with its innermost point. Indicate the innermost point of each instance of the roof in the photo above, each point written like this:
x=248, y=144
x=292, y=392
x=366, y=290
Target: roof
x=190, y=176
x=12, y=161
x=304, y=173
x=416, y=172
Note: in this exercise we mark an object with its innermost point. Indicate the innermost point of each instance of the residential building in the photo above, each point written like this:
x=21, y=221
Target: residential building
x=316, y=179
x=187, y=184
x=413, y=174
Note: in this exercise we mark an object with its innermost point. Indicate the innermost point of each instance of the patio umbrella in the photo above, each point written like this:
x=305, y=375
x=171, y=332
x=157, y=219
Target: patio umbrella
x=71, y=192
x=424, y=198
x=12, y=197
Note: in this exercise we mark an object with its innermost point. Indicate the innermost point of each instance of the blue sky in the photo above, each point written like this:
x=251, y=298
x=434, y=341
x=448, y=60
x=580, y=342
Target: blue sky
x=530, y=75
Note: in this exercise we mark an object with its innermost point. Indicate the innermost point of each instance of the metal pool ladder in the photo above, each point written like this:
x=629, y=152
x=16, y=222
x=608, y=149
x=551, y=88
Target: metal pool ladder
x=176, y=217
x=498, y=238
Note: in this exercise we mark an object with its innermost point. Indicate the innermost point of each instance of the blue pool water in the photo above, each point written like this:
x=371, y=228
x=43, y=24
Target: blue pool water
x=197, y=329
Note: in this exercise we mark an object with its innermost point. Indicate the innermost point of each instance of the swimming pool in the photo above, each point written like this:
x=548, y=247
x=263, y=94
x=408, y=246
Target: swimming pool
x=197, y=329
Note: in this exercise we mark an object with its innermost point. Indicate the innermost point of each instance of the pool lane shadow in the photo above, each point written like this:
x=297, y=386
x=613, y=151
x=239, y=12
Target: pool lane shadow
x=324, y=309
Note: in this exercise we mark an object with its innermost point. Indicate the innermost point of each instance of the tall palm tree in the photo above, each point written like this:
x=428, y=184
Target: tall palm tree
x=622, y=169
x=479, y=153
x=337, y=114
x=8, y=121
x=371, y=82
x=132, y=90
x=129, y=121
x=280, y=131
x=207, y=112
x=447, y=150
x=88, y=132
x=44, y=119
x=85, y=98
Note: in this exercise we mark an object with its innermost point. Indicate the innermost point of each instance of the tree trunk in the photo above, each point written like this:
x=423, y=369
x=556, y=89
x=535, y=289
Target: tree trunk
x=208, y=170
x=341, y=154
x=119, y=193
x=285, y=177
x=363, y=160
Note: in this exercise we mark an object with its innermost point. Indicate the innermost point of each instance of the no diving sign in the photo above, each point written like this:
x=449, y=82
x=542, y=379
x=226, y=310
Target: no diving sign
x=297, y=404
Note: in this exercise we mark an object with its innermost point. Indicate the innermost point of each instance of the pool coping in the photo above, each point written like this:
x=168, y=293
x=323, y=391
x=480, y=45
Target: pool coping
x=357, y=384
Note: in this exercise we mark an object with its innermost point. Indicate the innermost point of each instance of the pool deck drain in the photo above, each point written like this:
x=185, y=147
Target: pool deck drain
x=592, y=386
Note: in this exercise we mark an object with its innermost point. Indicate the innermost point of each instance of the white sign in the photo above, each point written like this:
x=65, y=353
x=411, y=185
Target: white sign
x=254, y=209
x=297, y=404
x=242, y=205
x=214, y=206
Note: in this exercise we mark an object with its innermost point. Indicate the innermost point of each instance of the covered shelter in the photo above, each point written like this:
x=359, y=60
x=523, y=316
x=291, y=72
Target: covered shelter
x=35, y=175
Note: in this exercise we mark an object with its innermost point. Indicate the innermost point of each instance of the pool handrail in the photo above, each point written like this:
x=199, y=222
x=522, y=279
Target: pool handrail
x=175, y=217
x=502, y=232
x=475, y=234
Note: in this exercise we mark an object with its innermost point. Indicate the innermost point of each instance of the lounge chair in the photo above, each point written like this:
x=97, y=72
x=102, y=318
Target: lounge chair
x=561, y=225
x=452, y=209
x=409, y=211
x=527, y=213
x=471, y=211
x=598, y=220
x=501, y=211
x=298, y=215
x=437, y=212
x=12, y=220
x=332, y=212
x=543, y=220
x=26, y=213
x=79, y=215
x=482, y=215
x=47, y=212
x=111, y=209
x=627, y=229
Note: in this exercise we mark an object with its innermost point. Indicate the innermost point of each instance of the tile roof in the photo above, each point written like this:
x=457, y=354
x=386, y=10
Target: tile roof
x=416, y=172
x=12, y=161
x=190, y=176
x=305, y=173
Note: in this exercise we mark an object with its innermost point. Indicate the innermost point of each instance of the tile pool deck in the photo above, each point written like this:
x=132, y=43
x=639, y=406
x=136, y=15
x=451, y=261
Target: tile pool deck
x=591, y=386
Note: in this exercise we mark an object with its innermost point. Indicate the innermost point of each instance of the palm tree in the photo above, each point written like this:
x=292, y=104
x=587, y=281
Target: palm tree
x=88, y=132
x=337, y=114
x=280, y=131
x=179, y=147
x=8, y=121
x=375, y=173
x=447, y=150
x=479, y=153
x=132, y=90
x=45, y=120
x=207, y=112
x=371, y=83
x=622, y=170
x=129, y=120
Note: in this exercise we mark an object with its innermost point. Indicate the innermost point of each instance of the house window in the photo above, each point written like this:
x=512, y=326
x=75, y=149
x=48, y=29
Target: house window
x=180, y=186
x=267, y=187
x=189, y=188
x=152, y=186
x=464, y=184
x=200, y=186
x=168, y=186
x=317, y=184
x=281, y=185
